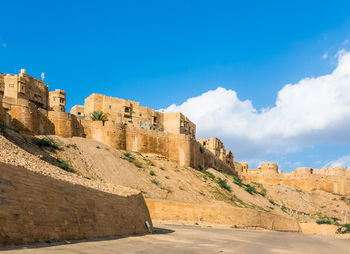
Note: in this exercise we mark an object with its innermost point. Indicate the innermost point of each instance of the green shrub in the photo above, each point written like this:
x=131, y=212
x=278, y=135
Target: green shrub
x=342, y=198
x=161, y=168
x=167, y=177
x=154, y=181
x=202, y=149
x=347, y=226
x=217, y=169
x=98, y=116
x=272, y=202
x=323, y=221
x=152, y=173
x=128, y=156
x=284, y=209
x=64, y=165
x=45, y=142
x=237, y=180
x=223, y=184
x=204, y=171
x=262, y=190
x=138, y=164
x=250, y=189
x=201, y=168
x=262, y=193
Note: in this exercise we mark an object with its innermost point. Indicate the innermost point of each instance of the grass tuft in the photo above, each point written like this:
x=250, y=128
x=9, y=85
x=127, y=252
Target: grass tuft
x=64, y=165
x=223, y=184
x=45, y=142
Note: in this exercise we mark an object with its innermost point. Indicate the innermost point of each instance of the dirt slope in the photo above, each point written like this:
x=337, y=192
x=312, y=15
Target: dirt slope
x=158, y=178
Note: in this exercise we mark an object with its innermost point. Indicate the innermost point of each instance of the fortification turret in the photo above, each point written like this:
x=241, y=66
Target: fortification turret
x=269, y=168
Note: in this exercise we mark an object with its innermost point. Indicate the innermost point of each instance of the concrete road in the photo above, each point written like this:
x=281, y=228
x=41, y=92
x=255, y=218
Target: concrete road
x=193, y=239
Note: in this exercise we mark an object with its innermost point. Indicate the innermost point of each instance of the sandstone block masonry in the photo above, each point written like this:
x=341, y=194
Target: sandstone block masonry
x=35, y=208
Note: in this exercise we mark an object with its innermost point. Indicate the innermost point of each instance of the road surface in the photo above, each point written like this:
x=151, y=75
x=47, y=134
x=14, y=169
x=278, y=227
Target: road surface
x=193, y=239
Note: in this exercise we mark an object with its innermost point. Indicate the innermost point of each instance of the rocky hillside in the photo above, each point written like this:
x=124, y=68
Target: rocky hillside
x=156, y=177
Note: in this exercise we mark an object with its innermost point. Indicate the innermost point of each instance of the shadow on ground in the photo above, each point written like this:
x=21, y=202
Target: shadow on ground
x=51, y=243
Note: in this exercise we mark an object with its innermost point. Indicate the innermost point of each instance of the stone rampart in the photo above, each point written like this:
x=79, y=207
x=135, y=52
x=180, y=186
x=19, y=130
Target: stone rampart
x=170, y=211
x=179, y=148
x=29, y=119
x=37, y=208
x=66, y=125
x=332, y=184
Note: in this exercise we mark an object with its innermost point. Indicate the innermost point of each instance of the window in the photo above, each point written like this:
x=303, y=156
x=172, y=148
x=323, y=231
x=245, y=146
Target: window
x=79, y=113
x=54, y=98
x=127, y=109
x=61, y=100
x=154, y=119
x=11, y=85
x=110, y=107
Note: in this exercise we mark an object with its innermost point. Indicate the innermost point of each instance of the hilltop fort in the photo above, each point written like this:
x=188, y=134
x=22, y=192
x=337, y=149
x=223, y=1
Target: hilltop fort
x=27, y=105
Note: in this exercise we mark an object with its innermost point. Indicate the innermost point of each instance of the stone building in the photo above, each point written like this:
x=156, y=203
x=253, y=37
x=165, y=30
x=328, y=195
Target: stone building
x=132, y=114
x=29, y=107
x=57, y=100
x=21, y=88
x=178, y=123
x=215, y=146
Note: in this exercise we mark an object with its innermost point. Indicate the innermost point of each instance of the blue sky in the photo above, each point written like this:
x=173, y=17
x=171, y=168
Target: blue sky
x=164, y=52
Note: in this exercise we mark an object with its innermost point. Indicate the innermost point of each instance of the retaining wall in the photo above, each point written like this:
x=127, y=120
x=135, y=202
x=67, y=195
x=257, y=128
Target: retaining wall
x=165, y=210
x=35, y=208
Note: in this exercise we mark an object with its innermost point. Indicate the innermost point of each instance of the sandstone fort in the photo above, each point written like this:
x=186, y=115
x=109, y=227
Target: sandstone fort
x=29, y=107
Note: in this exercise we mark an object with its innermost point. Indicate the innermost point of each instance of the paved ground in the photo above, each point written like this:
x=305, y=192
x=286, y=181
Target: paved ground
x=190, y=239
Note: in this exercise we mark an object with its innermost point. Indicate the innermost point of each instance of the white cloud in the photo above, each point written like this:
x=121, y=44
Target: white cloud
x=325, y=55
x=341, y=162
x=311, y=111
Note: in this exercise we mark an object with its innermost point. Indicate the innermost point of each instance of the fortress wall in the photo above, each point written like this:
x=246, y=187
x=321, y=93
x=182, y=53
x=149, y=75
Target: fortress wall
x=109, y=133
x=37, y=208
x=66, y=125
x=312, y=183
x=28, y=119
x=179, y=148
x=169, y=211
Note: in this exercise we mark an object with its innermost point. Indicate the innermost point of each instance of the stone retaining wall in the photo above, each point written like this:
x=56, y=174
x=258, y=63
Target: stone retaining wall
x=35, y=207
x=164, y=210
